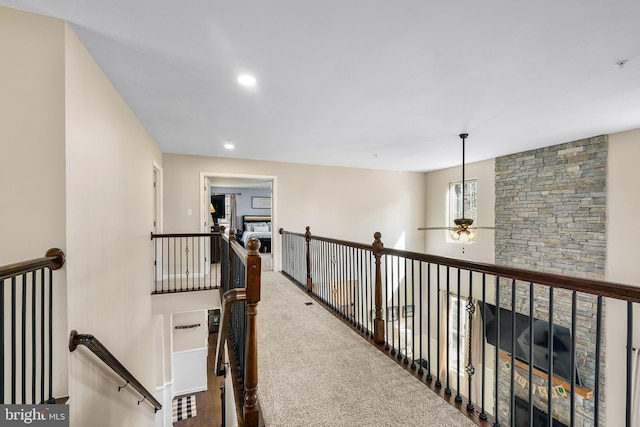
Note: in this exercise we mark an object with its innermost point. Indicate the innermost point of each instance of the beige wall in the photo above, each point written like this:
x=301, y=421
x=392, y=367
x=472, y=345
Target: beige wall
x=337, y=202
x=623, y=254
x=109, y=218
x=32, y=153
x=437, y=185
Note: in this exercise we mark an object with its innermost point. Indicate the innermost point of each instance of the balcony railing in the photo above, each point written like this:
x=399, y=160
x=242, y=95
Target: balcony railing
x=183, y=262
x=477, y=334
x=26, y=351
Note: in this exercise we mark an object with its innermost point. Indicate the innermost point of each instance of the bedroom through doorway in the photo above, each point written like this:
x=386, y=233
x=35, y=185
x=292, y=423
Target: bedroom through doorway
x=245, y=203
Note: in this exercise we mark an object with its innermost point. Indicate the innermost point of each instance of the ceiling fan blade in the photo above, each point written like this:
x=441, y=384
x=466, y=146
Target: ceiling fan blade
x=487, y=228
x=437, y=228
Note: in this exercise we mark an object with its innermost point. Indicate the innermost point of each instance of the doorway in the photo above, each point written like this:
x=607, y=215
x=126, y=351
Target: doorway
x=244, y=195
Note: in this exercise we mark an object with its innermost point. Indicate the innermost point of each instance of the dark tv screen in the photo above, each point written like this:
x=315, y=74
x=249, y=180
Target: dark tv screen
x=218, y=204
x=561, y=340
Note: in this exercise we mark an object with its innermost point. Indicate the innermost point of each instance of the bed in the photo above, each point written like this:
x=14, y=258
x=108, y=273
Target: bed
x=258, y=226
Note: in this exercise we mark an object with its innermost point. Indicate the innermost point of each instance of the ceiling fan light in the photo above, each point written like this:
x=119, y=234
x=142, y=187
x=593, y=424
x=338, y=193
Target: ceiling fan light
x=463, y=235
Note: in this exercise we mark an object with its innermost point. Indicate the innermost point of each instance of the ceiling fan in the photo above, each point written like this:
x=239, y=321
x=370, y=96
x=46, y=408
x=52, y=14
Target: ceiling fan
x=463, y=231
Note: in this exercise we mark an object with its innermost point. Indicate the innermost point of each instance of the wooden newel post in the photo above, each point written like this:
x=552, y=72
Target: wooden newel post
x=254, y=267
x=378, y=323
x=307, y=236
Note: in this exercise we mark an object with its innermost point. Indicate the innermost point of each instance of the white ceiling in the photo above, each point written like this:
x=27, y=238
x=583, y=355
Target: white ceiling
x=362, y=83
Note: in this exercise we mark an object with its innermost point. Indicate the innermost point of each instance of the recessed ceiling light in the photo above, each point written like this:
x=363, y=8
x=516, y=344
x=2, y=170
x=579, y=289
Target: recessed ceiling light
x=247, y=80
x=229, y=145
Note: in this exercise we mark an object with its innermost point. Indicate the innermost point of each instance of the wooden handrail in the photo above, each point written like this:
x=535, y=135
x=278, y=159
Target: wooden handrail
x=97, y=348
x=591, y=286
x=229, y=298
x=53, y=258
x=169, y=235
x=329, y=240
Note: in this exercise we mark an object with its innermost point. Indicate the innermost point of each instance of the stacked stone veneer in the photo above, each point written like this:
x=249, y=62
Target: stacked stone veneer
x=551, y=210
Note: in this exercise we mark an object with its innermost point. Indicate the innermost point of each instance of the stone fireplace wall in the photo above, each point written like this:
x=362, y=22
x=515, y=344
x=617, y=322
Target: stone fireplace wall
x=551, y=210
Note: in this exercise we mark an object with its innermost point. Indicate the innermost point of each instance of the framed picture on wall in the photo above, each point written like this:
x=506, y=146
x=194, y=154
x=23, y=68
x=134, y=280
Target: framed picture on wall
x=261, y=202
x=407, y=311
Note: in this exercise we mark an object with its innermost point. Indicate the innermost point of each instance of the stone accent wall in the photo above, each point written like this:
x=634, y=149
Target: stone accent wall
x=551, y=210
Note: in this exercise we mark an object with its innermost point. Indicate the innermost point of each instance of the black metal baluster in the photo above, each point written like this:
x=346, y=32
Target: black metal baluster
x=413, y=321
x=199, y=270
x=176, y=267
x=322, y=269
x=370, y=288
x=33, y=337
x=364, y=315
x=629, y=362
x=470, y=369
x=447, y=389
x=331, y=275
x=438, y=381
x=336, y=276
x=531, y=335
x=512, y=404
x=429, y=375
x=420, y=368
x=596, y=406
x=458, y=397
x=171, y=278
x=390, y=313
x=347, y=284
x=24, y=339
x=42, y=334
x=50, y=286
x=483, y=414
x=385, y=306
x=406, y=321
x=398, y=309
x=496, y=371
x=351, y=288
x=2, y=341
x=327, y=273
x=550, y=364
x=572, y=363
x=155, y=264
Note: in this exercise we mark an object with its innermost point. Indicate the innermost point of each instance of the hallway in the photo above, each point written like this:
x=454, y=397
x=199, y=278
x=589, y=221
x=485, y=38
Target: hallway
x=314, y=370
x=208, y=403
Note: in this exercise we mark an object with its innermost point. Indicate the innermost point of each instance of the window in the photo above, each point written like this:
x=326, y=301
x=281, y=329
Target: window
x=455, y=334
x=227, y=208
x=470, y=200
x=455, y=204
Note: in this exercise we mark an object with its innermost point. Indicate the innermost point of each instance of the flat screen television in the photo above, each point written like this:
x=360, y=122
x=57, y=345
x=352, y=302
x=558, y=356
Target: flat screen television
x=540, y=341
x=218, y=204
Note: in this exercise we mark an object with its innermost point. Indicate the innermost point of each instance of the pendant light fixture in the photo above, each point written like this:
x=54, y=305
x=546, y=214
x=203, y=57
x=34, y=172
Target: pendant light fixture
x=463, y=232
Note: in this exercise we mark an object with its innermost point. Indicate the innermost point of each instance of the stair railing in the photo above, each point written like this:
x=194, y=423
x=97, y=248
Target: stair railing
x=28, y=352
x=240, y=284
x=97, y=348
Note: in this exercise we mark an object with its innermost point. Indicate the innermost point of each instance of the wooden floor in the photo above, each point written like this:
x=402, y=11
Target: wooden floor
x=208, y=404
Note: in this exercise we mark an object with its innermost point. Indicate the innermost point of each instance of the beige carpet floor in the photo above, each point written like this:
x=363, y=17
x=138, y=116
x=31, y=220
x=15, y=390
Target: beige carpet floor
x=313, y=370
